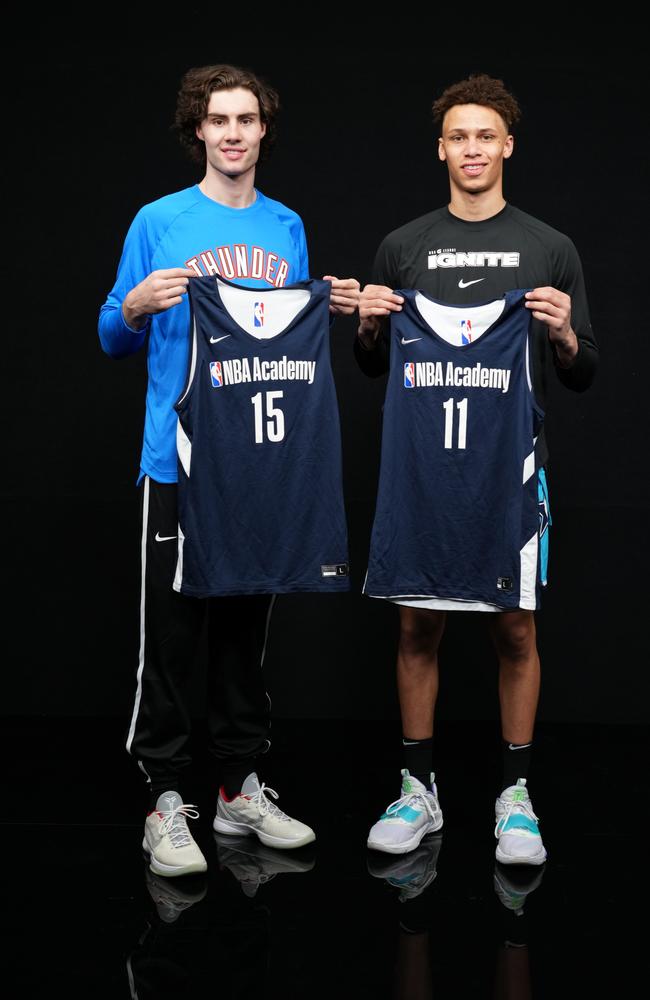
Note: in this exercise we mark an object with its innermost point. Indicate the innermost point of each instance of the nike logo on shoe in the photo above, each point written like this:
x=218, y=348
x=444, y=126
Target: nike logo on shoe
x=165, y=538
x=466, y=284
x=215, y=340
x=412, y=340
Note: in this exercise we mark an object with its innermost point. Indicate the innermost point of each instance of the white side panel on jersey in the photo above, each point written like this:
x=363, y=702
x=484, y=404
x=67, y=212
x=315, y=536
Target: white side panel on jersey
x=528, y=578
x=184, y=448
x=143, y=560
x=263, y=312
x=190, y=377
x=446, y=320
x=178, y=576
x=529, y=466
x=528, y=378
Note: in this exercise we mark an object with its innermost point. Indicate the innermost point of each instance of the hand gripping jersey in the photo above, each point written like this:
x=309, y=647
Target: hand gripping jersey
x=260, y=496
x=457, y=509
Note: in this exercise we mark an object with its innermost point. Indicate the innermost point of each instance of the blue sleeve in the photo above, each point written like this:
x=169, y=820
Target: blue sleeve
x=117, y=339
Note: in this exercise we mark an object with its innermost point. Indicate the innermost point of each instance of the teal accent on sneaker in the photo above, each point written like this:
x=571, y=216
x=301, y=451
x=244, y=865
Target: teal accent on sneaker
x=404, y=812
x=519, y=821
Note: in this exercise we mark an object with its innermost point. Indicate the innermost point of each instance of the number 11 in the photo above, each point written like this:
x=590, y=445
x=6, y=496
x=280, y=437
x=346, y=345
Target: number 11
x=448, y=407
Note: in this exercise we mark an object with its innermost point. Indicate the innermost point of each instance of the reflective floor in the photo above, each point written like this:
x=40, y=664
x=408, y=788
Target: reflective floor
x=84, y=916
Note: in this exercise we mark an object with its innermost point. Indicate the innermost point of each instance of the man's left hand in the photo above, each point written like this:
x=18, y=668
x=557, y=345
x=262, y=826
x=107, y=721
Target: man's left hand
x=553, y=308
x=344, y=298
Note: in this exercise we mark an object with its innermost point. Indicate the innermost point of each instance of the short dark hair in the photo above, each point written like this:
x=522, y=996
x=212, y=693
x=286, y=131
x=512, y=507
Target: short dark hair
x=479, y=88
x=194, y=96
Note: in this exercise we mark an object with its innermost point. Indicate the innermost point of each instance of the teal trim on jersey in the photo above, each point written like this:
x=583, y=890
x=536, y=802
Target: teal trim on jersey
x=518, y=821
x=261, y=246
x=544, y=525
x=404, y=812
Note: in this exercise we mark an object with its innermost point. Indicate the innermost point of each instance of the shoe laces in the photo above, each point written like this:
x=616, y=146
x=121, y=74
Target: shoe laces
x=174, y=823
x=524, y=806
x=265, y=806
x=408, y=798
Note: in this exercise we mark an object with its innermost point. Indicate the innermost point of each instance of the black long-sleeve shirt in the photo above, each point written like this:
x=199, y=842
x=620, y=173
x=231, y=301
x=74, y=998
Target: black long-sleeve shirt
x=459, y=262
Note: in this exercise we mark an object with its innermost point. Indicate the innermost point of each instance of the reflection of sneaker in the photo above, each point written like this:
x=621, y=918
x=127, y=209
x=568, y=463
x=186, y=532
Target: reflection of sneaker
x=252, y=812
x=516, y=830
x=412, y=874
x=408, y=819
x=253, y=864
x=514, y=885
x=171, y=898
x=171, y=847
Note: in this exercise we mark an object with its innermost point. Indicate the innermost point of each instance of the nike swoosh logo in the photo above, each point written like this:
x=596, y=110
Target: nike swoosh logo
x=165, y=538
x=411, y=341
x=466, y=284
x=523, y=746
x=215, y=340
x=410, y=743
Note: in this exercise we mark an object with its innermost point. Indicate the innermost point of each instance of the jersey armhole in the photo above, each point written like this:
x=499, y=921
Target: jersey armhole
x=179, y=405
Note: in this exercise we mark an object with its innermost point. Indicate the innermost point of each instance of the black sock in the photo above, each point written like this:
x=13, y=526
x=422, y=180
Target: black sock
x=418, y=758
x=516, y=762
x=235, y=774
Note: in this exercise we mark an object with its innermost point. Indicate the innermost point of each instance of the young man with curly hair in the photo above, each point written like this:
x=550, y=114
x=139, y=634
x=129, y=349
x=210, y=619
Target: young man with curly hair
x=474, y=250
x=225, y=118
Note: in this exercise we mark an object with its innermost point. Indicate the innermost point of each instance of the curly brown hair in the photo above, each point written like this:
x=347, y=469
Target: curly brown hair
x=194, y=96
x=479, y=88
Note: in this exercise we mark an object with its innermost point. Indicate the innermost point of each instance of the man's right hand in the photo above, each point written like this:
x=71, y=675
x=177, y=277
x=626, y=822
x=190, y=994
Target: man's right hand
x=375, y=301
x=159, y=291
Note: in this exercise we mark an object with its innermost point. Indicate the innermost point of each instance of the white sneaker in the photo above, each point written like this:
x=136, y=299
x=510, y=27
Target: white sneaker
x=171, y=847
x=408, y=819
x=252, y=812
x=516, y=830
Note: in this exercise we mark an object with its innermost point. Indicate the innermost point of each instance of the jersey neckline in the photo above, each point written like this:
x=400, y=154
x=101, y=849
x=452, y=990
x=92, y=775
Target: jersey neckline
x=307, y=286
x=512, y=295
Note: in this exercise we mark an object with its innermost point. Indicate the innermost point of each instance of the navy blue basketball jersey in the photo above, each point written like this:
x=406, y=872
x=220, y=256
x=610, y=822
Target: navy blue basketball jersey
x=260, y=496
x=457, y=507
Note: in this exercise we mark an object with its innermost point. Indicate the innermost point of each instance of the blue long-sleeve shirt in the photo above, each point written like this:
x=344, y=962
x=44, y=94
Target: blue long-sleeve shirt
x=260, y=246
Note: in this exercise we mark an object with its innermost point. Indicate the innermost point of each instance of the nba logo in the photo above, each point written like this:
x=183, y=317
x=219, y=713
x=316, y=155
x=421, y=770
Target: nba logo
x=466, y=331
x=216, y=374
x=258, y=314
x=409, y=375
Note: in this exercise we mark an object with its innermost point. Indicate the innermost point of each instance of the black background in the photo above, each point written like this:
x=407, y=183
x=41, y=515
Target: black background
x=356, y=157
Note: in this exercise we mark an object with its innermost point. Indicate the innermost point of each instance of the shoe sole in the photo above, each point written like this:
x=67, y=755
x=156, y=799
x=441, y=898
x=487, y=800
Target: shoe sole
x=508, y=859
x=408, y=845
x=172, y=871
x=233, y=829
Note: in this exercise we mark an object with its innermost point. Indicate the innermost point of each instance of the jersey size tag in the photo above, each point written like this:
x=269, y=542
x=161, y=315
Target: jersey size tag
x=336, y=569
x=504, y=583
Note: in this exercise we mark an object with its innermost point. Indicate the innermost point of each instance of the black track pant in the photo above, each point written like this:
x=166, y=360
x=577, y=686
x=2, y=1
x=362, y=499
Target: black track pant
x=170, y=628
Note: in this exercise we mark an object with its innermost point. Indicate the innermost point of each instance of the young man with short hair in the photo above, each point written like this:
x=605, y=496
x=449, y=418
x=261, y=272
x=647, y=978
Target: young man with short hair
x=225, y=117
x=474, y=250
